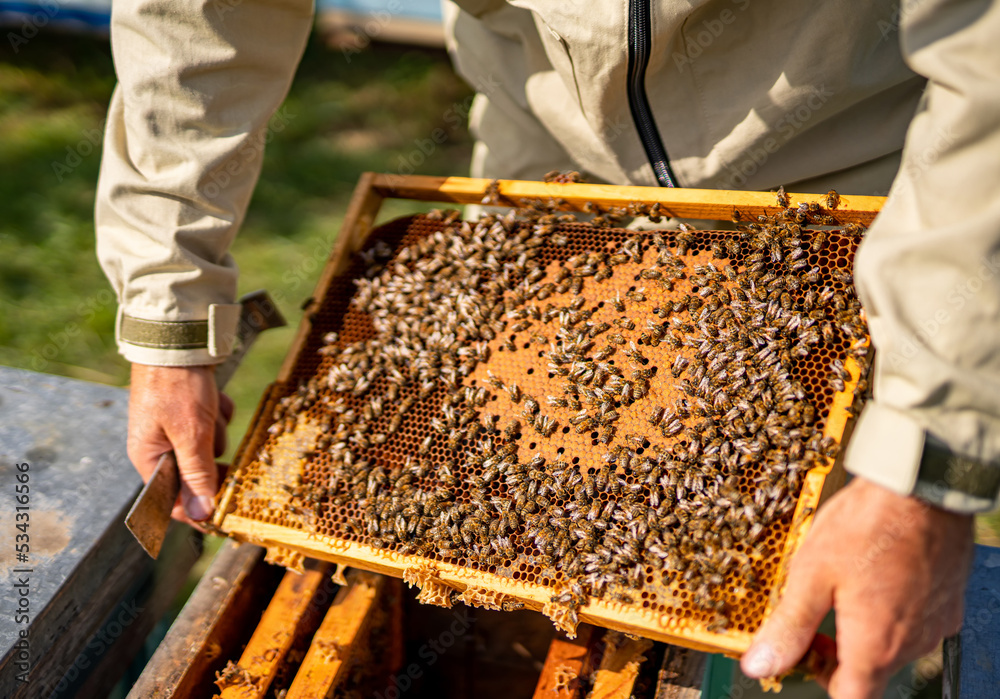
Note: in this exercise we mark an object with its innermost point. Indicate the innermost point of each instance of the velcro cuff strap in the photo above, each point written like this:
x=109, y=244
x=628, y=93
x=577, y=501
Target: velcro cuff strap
x=943, y=470
x=223, y=320
x=217, y=334
x=164, y=334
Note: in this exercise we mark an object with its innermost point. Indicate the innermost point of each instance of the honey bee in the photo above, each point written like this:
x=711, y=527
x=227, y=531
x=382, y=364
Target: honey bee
x=653, y=214
x=494, y=381
x=655, y=415
x=672, y=428
x=233, y=675
x=781, y=198
x=596, y=330
x=635, y=355
x=425, y=445
x=818, y=241
x=617, y=303
x=626, y=392
x=684, y=240
x=679, y=365
x=512, y=431
x=609, y=417
x=832, y=199
x=637, y=295
x=514, y=391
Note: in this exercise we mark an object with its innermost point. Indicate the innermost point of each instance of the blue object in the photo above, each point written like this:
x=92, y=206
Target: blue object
x=972, y=659
x=25, y=18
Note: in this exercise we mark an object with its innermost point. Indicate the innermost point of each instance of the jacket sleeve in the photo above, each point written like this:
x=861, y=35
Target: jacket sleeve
x=199, y=81
x=928, y=273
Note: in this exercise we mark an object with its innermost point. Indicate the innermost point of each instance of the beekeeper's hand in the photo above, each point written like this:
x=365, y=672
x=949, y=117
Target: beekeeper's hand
x=180, y=408
x=893, y=567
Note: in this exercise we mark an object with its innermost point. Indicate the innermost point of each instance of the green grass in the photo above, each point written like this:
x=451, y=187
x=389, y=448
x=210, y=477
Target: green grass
x=340, y=119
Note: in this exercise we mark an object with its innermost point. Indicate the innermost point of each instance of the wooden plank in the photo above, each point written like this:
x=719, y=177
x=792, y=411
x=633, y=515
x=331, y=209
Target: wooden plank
x=681, y=674
x=82, y=561
x=276, y=632
x=142, y=610
x=619, y=668
x=567, y=665
x=210, y=626
x=951, y=681
x=710, y=204
x=972, y=660
x=71, y=621
x=821, y=481
x=345, y=626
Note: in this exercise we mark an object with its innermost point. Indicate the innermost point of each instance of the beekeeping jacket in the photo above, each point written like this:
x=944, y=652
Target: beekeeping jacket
x=734, y=94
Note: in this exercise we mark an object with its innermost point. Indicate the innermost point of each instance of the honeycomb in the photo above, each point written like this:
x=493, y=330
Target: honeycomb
x=710, y=584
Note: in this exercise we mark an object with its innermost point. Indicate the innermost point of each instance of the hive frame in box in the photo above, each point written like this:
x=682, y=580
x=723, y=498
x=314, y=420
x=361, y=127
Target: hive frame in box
x=289, y=544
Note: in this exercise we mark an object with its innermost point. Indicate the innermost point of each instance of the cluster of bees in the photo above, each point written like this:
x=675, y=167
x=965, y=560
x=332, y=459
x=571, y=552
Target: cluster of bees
x=691, y=494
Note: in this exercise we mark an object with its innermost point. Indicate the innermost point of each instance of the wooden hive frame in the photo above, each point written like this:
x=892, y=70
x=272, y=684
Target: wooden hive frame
x=358, y=223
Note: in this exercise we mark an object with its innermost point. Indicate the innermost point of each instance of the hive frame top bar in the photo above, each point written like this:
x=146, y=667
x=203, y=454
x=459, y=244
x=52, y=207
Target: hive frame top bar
x=709, y=204
x=358, y=222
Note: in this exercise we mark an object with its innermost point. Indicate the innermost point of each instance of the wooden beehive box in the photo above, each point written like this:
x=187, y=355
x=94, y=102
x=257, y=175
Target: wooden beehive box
x=278, y=493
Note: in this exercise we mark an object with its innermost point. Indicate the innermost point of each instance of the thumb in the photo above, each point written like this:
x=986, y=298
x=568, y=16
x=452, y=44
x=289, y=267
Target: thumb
x=786, y=635
x=198, y=472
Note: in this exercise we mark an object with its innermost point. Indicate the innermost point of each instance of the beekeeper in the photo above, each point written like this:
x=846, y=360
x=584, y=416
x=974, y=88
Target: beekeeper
x=734, y=94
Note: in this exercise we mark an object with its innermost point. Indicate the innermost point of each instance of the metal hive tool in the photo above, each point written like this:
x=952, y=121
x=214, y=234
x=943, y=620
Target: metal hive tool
x=280, y=493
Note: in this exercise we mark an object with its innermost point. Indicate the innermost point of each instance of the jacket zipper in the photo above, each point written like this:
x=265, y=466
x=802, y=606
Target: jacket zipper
x=638, y=59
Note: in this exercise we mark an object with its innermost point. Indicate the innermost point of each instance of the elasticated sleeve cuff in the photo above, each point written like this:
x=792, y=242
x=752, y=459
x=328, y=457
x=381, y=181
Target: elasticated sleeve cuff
x=885, y=448
x=179, y=342
x=890, y=449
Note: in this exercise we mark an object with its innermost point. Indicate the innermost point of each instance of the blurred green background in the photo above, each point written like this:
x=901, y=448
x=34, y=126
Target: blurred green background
x=340, y=119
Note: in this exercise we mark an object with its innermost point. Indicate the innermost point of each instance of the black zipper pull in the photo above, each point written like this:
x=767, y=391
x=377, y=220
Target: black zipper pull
x=638, y=59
